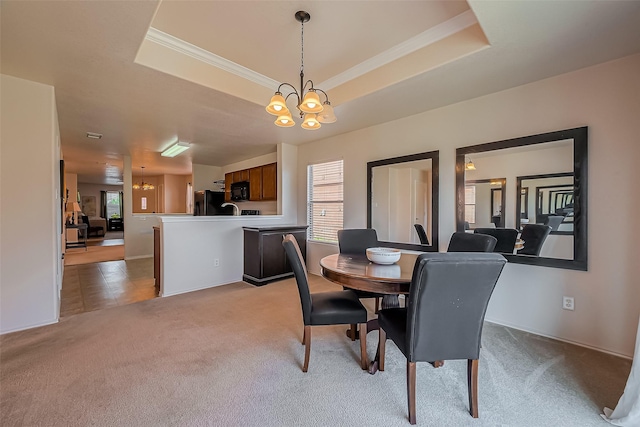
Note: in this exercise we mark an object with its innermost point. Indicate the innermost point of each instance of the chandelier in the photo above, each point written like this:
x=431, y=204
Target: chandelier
x=143, y=185
x=308, y=104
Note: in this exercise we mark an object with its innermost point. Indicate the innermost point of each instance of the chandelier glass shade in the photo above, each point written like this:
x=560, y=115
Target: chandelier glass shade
x=143, y=185
x=469, y=166
x=311, y=109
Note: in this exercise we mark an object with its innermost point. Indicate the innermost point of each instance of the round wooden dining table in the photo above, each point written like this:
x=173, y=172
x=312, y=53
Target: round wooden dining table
x=357, y=272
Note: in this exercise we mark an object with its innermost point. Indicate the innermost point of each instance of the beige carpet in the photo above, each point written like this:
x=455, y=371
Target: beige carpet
x=93, y=254
x=231, y=356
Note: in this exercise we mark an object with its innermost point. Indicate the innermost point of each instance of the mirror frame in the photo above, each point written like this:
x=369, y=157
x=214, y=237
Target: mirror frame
x=435, y=197
x=580, y=169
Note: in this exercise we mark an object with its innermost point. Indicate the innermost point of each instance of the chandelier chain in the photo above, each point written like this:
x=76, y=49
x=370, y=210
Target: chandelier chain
x=302, y=50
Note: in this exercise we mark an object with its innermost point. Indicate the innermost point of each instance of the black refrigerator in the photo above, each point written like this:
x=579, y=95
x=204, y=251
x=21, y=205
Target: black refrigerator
x=209, y=202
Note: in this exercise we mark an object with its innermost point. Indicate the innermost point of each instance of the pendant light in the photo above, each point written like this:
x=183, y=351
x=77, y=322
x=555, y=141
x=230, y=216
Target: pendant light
x=143, y=185
x=311, y=108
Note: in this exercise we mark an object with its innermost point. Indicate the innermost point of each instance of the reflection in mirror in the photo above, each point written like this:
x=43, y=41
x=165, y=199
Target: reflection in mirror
x=403, y=201
x=546, y=195
x=524, y=203
x=484, y=201
x=553, y=204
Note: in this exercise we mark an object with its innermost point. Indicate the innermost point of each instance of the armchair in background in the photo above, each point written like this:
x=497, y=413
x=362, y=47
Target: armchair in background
x=96, y=230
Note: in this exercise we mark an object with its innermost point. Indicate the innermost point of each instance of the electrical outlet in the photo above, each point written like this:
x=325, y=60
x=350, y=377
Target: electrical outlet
x=567, y=303
x=216, y=263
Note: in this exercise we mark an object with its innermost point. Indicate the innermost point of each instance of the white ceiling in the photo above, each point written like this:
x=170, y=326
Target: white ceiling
x=87, y=50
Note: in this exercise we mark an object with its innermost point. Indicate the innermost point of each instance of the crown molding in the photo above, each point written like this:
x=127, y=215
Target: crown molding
x=430, y=36
x=167, y=40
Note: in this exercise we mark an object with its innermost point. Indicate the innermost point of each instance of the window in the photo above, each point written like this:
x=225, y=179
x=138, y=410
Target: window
x=143, y=202
x=113, y=204
x=324, y=201
x=470, y=204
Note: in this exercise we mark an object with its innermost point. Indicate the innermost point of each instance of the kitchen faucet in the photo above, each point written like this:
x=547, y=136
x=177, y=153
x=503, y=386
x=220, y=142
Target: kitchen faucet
x=236, y=209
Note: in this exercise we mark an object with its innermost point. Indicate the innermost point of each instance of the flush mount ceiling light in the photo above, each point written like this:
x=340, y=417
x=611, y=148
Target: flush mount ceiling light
x=143, y=185
x=175, y=149
x=94, y=135
x=469, y=166
x=308, y=104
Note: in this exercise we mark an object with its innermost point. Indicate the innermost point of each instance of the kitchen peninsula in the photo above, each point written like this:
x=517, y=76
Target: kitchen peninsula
x=200, y=252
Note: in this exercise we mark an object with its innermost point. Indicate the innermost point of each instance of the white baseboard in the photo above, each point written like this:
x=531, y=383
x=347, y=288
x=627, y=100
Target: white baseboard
x=24, y=328
x=129, y=258
x=199, y=288
x=533, y=331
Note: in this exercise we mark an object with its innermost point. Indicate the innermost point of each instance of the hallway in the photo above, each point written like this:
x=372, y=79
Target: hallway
x=90, y=287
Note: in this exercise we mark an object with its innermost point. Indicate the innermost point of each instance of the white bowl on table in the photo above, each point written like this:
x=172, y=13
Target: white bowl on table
x=384, y=256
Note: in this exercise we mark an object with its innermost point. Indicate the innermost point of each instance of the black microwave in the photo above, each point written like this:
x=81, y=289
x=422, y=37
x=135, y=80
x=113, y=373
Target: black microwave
x=240, y=191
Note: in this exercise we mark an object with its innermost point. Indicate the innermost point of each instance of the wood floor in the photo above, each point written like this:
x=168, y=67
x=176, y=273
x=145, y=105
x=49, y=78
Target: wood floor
x=96, y=286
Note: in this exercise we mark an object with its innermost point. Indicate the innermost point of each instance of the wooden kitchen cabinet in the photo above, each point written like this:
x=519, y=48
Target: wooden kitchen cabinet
x=270, y=182
x=239, y=176
x=265, y=260
x=228, y=179
x=263, y=182
x=255, y=183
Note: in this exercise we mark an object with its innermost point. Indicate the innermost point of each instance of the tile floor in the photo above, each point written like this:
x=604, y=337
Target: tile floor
x=90, y=287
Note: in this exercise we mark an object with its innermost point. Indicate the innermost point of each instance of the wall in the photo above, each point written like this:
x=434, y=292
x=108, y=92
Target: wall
x=175, y=193
x=151, y=195
x=204, y=175
x=30, y=256
x=605, y=97
x=71, y=183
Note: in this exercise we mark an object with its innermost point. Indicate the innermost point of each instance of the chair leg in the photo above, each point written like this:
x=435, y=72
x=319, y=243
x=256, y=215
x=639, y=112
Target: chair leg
x=472, y=381
x=377, y=305
x=411, y=391
x=364, y=360
x=381, y=348
x=304, y=335
x=352, y=332
x=307, y=347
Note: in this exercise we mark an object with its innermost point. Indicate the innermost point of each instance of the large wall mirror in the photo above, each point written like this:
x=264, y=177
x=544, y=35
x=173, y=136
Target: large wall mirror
x=535, y=185
x=402, y=201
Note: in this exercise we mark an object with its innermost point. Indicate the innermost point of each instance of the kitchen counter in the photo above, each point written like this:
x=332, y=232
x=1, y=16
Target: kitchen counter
x=277, y=228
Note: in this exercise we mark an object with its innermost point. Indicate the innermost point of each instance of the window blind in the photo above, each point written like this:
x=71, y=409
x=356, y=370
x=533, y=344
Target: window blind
x=325, y=201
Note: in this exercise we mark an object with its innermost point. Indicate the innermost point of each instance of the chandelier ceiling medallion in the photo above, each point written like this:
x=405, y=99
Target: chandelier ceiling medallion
x=143, y=185
x=308, y=104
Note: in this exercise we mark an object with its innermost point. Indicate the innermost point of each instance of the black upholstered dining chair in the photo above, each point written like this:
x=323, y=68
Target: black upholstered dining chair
x=554, y=221
x=355, y=241
x=467, y=242
x=325, y=308
x=506, y=238
x=422, y=234
x=448, y=299
x=534, y=236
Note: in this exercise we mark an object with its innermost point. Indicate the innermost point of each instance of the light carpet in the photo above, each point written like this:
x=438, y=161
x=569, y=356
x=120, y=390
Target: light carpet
x=231, y=356
x=93, y=254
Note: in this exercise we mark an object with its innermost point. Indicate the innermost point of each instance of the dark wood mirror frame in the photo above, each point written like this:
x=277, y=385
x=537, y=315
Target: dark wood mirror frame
x=580, y=167
x=435, y=185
